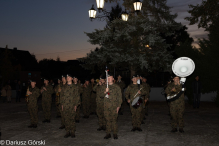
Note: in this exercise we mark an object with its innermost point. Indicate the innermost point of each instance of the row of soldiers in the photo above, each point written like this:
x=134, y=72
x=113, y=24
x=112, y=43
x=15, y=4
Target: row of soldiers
x=107, y=104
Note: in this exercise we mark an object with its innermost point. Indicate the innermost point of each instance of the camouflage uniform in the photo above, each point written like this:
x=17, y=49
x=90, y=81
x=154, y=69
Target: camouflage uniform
x=80, y=90
x=122, y=86
x=93, y=104
x=86, y=100
x=60, y=107
x=136, y=113
x=69, y=99
x=177, y=107
x=100, y=105
x=47, y=101
x=57, y=99
x=145, y=105
x=110, y=107
x=32, y=105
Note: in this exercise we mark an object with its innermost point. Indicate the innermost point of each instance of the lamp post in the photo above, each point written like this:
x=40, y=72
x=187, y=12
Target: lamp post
x=125, y=16
x=137, y=6
x=100, y=5
x=92, y=13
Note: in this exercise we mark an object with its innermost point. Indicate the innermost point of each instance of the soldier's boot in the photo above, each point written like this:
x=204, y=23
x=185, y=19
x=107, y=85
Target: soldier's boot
x=35, y=126
x=44, y=121
x=104, y=127
x=144, y=118
x=146, y=114
x=107, y=136
x=142, y=122
x=181, y=130
x=115, y=136
x=30, y=126
x=174, y=130
x=67, y=135
x=100, y=128
x=134, y=128
x=139, y=129
x=77, y=121
x=48, y=121
x=72, y=134
x=62, y=127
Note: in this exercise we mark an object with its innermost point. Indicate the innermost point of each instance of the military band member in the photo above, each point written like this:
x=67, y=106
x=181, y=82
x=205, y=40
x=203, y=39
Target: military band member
x=130, y=93
x=70, y=99
x=122, y=86
x=58, y=98
x=80, y=90
x=100, y=103
x=112, y=104
x=60, y=106
x=33, y=93
x=177, y=107
x=47, y=91
x=86, y=98
x=93, y=104
x=146, y=98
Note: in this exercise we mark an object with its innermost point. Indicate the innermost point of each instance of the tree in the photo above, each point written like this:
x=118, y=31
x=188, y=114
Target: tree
x=204, y=14
x=126, y=42
x=210, y=60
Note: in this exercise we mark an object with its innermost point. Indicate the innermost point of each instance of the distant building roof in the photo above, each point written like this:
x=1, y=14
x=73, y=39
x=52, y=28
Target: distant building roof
x=23, y=58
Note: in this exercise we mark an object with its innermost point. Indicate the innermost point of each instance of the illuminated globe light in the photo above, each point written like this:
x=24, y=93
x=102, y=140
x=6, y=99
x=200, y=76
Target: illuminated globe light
x=137, y=6
x=183, y=69
x=92, y=12
x=125, y=16
x=100, y=4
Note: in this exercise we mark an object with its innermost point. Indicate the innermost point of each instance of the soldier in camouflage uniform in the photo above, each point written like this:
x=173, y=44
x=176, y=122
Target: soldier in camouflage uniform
x=80, y=90
x=69, y=101
x=93, y=104
x=60, y=106
x=100, y=104
x=130, y=93
x=32, y=105
x=122, y=86
x=58, y=99
x=86, y=98
x=145, y=101
x=177, y=107
x=47, y=91
x=112, y=104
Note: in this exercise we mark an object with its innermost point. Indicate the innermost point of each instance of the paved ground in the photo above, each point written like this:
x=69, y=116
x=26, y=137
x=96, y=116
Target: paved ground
x=201, y=128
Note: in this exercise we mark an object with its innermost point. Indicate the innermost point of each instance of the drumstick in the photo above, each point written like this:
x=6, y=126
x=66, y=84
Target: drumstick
x=137, y=92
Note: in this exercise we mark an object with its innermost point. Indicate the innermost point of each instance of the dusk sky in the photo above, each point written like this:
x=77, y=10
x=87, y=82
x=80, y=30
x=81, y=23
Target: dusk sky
x=51, y=28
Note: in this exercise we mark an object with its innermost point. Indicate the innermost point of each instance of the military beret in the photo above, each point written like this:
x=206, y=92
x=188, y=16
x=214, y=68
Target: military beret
x=110, y=74
x=46, y=79
x=173, y=76
x=119, y=75
x=32, y=80
x=102, y=77
x=87, y=79
x=134, y=76
x=69, y=75
x=63, y=76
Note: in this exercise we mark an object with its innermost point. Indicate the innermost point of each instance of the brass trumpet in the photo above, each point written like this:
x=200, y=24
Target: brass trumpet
x=97, y=80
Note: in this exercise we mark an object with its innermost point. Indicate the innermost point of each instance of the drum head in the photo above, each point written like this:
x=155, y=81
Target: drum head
x=135, y=100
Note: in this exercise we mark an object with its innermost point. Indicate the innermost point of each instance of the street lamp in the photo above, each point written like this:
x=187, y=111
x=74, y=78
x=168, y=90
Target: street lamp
x=137, y=6
x=92, y=12
x=100, y=4
x=125, y=16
